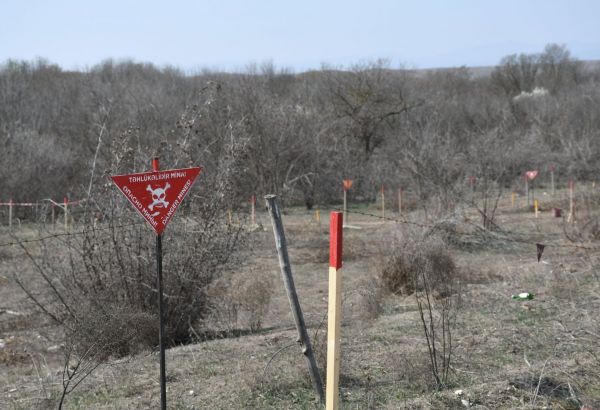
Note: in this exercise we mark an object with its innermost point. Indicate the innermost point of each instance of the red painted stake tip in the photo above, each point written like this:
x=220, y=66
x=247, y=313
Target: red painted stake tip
x=335, y=239
x=155, y=167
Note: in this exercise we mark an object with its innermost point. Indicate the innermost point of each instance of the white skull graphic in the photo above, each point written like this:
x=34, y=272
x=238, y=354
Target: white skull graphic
x=158, y=196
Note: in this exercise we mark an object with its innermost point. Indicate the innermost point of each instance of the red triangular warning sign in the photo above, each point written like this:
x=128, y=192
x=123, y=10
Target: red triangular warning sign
x=156, y=195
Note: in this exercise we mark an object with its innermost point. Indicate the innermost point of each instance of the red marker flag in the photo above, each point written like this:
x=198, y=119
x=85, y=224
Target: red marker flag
x=530, y=175
x=157, y=195
x=347, y=184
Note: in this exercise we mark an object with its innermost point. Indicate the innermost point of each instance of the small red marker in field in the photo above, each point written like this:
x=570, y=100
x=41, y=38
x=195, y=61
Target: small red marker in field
x=347, y=183
x=529, y=176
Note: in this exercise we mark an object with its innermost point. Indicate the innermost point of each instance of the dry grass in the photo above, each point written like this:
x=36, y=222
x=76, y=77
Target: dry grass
x=507, y=354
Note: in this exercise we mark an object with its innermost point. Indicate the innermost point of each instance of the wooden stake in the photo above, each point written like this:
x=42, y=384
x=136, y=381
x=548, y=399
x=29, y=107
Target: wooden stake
x=571, y=217
x=229, y=216
x=345, y=213
x=10, y=212
x=253, y=214
x=317, y=216
x=66, y=204
x=552, y=181
x=290, y=288
x=512, y=199
x=535, y=207
x=400, y=201
x=382, y=203
x=334, y=310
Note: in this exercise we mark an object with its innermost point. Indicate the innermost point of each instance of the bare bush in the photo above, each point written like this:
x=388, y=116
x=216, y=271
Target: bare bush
x=101, y=284
x=425, y=268
x=240, y=301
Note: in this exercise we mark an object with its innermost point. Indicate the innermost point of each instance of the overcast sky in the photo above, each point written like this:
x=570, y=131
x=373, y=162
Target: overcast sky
x=300, y=34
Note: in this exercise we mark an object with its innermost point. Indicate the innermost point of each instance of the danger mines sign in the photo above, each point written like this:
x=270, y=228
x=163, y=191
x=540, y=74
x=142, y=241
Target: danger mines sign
x=157, y=195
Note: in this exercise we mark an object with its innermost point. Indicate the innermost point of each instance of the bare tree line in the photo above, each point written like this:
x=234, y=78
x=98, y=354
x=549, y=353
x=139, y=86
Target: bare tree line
x=302, y=133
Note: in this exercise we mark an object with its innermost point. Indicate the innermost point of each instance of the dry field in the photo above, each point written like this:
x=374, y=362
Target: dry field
x=507, y=354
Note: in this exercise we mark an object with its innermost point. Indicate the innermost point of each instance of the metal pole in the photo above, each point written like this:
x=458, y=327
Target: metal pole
x=288, y=280
x=161, y=332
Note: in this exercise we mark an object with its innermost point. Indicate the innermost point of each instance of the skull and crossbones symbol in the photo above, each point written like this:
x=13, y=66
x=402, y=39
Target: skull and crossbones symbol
x=158, y=196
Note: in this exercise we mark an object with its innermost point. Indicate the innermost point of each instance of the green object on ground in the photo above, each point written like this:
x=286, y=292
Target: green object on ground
x=523, y=296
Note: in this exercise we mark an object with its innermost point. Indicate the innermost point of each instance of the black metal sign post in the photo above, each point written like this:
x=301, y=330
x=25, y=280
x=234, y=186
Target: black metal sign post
x=161, y=319
x=163, y=379
x=156, y=196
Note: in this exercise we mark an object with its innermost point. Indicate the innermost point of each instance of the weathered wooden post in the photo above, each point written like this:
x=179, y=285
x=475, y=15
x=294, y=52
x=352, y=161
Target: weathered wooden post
x=290, y=288
x=382, y=203
x=400, y=201
x=334, y=310
x=552, y=168
x=253, y=213
x=346, y=183
x=65, y=205
x=571, y=217
x=10, y=212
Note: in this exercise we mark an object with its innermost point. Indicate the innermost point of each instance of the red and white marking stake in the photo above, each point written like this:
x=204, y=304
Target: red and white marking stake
x=334, y=310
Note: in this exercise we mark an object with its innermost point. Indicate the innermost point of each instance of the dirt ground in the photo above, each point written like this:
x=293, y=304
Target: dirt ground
x=507, y=354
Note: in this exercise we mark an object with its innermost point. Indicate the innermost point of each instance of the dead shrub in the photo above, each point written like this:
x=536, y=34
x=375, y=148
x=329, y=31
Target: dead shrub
x=408, y=259
x=424, y=267
x=396, y=274
x=240, y=301
x=253, y=292
x=365, y=302
x=100, y=284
